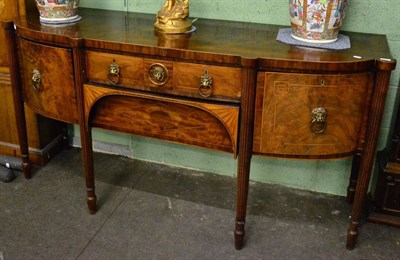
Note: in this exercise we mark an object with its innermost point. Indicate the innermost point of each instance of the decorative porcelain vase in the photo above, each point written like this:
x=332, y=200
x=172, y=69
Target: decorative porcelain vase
x=316, y=21
x=58, y=11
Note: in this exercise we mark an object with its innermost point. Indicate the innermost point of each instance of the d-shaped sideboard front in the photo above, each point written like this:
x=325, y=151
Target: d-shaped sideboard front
x=228, y=86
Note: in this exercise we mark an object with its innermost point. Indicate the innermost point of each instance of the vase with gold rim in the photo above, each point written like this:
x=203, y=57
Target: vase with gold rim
x=58, y=11
x=316, y=21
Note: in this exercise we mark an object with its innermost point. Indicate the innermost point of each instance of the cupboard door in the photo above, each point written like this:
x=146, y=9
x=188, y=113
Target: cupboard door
x=309, y=114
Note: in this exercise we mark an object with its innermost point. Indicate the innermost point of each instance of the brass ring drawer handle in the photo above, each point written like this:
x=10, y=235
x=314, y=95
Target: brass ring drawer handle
x=113, y=73
x=36, y=80
x=318, y=120
x=158, y=74
x=205, y=88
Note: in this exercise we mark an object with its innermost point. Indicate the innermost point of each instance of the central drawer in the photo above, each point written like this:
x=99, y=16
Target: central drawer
x=162, y=76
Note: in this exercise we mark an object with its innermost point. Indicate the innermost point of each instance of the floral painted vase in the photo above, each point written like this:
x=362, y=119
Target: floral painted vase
x=316, y=21
x=57, y=11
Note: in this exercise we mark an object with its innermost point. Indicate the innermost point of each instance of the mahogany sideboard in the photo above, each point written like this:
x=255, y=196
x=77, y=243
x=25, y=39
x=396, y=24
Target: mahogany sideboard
x=46, y=136
x=228, y=86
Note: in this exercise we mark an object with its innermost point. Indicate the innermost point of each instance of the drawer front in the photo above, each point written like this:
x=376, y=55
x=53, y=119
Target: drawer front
x=309, y=115
x=129, y=74
x=48, y=81
x=200, y=124
x=177, y=78
x=226, y=81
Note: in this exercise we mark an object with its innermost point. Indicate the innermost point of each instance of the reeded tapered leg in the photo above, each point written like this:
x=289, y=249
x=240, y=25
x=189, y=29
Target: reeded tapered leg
x=87, y=156
x=369, y=151
x=242, y=194
x=245, y=149
x=84, y=125
x=352, y=234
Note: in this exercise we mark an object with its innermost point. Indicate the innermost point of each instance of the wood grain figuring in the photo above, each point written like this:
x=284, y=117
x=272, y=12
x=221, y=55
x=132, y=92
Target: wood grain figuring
x=226, y=82
x=5, y=78
x=183, y=78
x=5, y=114
x=43, y=135
x=219, y=42
x=22, y=6
x=131, y=69
x=40, y=145
x=200, y=124
x=57, y=97
x=2, y=7
x=291, y=82
x=283, y=113
x=8, y=11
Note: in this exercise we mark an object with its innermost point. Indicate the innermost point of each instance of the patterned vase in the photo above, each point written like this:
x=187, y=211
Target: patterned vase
x=316, y=21
x=58, y=11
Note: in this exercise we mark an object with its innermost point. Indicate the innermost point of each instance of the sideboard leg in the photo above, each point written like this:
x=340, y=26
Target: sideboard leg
x=369, y=150
x=91, y=201
x=351, y=189
x=12, y=49
x=26, y=165
x=352, y=235
x=87, y=156
x=84, y=126
x=242, y=195
x=245, y=147
x=239, y=235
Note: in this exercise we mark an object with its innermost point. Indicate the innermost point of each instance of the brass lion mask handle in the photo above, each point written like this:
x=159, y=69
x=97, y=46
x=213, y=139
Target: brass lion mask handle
x=158, y=74
x=36, y=80
x=205, y=88
x=113, y=73
x=318, y=120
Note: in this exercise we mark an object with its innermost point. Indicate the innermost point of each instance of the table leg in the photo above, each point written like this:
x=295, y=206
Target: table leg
x=369, y=151
x=84, y=125
x=245, y=150
x=242, y=194
x=87, y=156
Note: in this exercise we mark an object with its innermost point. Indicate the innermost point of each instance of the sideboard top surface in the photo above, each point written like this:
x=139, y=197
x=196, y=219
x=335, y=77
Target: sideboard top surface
x=134, y=32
